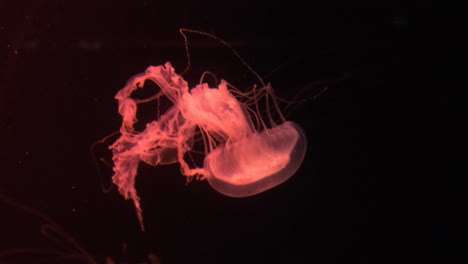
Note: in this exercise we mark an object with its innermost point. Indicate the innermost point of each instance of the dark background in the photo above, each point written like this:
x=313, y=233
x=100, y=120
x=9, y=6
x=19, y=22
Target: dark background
x=62, y=63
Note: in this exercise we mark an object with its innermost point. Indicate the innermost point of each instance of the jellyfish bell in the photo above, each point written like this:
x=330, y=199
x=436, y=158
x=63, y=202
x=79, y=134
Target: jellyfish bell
x=258, y=162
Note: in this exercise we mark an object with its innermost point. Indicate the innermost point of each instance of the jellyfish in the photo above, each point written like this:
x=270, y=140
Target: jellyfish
x=243, y=155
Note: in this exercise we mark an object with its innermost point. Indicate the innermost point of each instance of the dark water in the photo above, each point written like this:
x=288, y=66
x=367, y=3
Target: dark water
x=61, y=65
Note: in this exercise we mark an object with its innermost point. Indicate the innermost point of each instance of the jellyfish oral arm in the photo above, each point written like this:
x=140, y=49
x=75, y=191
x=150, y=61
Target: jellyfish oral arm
x=216, y=110
x=156, y=144
x=125, y=169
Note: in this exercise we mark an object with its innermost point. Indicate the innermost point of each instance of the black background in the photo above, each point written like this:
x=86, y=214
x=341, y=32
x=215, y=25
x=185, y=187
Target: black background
x=62, y=63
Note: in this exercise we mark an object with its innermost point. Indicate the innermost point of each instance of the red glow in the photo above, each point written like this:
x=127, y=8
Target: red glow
x=243, y=156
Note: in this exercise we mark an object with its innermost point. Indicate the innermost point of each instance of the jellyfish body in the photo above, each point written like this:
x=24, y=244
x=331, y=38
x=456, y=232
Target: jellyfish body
x=240, y=159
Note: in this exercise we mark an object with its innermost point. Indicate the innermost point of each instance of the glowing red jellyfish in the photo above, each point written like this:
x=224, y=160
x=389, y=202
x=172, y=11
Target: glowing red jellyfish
x=243, y=156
